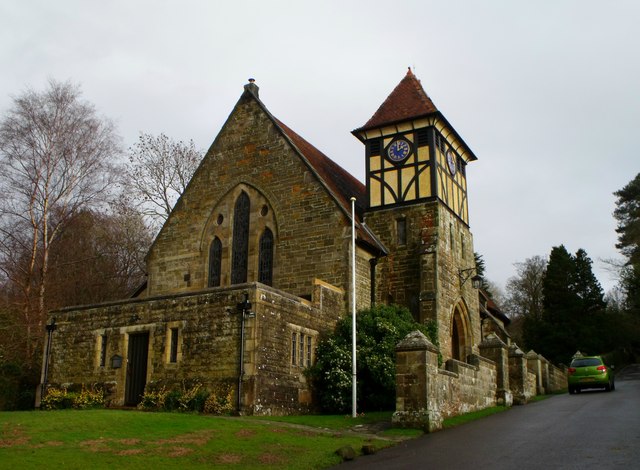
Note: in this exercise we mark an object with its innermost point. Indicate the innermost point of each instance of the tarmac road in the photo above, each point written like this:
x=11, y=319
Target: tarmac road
x=593, y=429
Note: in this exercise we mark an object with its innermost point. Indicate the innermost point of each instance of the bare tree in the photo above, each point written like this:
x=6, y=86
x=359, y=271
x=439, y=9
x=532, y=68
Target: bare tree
x=97, y=257
x=159, y=171
x=524, y=291
x=56, y=158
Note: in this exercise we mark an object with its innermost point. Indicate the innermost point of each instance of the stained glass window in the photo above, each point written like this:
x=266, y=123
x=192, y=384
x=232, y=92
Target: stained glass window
x=240, y=253
x=265, y=263
x=215, y=262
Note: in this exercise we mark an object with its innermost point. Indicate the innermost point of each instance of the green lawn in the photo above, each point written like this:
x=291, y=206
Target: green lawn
x=130, y=439
x=96, y=439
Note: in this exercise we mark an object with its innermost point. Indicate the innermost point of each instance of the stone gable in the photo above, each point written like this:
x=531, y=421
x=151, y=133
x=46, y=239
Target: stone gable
x=312, y=237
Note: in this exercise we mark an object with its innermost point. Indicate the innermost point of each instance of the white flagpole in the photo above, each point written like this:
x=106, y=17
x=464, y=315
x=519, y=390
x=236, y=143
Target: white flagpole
x=354, y=412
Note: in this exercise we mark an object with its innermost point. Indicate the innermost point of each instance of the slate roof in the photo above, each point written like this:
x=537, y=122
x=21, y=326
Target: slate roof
x=407, y=101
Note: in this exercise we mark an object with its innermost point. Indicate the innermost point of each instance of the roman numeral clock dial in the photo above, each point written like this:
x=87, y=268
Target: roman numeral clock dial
x=398, y=150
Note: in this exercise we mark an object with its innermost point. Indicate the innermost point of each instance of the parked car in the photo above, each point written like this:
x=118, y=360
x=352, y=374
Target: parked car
x=590, y=372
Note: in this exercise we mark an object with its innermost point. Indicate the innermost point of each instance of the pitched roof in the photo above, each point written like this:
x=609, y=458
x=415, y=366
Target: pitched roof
x=407, y=101
x=341, y=184
x=340, y=181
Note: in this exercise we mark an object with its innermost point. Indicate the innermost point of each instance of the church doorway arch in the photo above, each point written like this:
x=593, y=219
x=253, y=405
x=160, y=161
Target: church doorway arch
x=460, y=334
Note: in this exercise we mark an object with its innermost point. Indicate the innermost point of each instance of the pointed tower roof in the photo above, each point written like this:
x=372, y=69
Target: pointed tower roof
x=407, y=101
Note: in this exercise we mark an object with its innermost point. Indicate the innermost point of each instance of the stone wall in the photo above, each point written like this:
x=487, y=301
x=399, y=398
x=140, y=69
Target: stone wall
x=557, y=378
x=426, y=394
x=398, y=274
x=209, y=325
x=467, y=387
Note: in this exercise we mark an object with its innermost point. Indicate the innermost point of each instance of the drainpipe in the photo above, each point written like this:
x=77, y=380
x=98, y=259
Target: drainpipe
x=45, y=374
x=244, y=308
x=372, y=270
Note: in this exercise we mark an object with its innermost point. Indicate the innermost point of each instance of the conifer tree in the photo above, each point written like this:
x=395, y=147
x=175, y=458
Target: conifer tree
x=574, y=310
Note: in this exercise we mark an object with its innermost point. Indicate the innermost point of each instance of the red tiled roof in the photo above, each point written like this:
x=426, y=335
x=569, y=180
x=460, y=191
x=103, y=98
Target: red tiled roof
x=408, y=100
x=339, y=181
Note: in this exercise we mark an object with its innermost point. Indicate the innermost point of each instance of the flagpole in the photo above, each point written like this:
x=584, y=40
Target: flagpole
x=354, y=411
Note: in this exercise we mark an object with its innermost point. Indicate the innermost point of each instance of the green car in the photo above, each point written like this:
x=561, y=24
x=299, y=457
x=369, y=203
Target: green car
x=589, y=372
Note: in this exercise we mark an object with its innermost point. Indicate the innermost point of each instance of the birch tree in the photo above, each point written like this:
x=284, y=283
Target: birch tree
x=56, y=158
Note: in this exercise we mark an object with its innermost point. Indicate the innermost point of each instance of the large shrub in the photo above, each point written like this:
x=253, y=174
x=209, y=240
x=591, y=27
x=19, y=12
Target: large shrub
x=378, y=331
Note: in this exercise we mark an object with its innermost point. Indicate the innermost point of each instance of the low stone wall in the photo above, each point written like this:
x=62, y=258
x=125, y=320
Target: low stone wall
x=557, y=378
x=426, y=394
x=467, y=387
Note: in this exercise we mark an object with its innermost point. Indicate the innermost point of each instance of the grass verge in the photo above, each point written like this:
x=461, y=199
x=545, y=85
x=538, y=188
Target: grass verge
x=474, y=415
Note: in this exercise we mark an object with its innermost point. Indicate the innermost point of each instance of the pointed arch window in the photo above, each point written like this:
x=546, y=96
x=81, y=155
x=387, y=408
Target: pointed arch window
x=240, y=252
x=215, y=262
x=265, y=259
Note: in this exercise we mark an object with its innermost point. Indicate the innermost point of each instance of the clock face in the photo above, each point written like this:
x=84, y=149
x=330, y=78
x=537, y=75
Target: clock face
x=451, y=162
x=398, y=150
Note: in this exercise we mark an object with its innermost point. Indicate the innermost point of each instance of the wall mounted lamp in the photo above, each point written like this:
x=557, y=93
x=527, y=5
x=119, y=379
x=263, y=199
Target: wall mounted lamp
x=466, y=274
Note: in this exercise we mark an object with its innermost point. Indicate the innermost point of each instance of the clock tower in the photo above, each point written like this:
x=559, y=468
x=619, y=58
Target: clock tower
x=416, y=180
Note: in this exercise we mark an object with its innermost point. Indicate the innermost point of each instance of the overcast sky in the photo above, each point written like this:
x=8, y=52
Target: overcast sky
x=546, y=93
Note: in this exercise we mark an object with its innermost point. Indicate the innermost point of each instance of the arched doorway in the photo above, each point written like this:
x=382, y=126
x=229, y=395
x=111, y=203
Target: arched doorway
x=460, y=337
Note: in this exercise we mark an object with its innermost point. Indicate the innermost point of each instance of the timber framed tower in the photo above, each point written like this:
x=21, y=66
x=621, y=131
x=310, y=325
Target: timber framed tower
x=417, y=204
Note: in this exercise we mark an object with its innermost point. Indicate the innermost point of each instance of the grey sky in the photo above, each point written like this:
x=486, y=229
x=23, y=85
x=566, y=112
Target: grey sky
x=546, y=93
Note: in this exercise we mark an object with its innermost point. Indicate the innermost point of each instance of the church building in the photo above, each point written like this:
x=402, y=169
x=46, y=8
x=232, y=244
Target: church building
x=253, y=266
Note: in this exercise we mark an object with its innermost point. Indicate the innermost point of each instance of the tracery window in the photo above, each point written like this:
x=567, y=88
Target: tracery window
x=265, y=258
x=215, y=262
x=240, y=252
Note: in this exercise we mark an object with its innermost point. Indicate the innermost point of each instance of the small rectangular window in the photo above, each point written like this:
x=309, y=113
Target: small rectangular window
x=103, y=350
x=401, y=231
x=308, y=351
x=294, y=348
x=173, y=351
x=301, y=336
